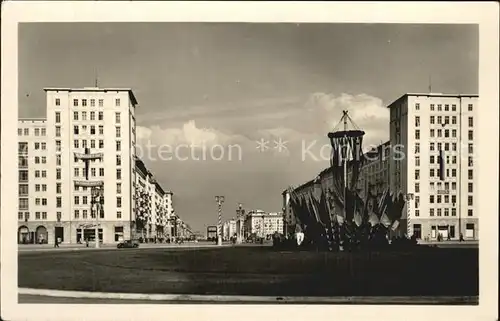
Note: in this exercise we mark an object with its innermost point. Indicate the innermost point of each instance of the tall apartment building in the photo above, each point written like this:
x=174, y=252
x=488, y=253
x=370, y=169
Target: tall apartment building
x=374, y=174
x=427, y=128
x=98, y=121
x=229, y=229
x=33, y=180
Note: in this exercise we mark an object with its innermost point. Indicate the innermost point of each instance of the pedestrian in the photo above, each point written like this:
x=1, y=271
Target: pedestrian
x=87, y=242
x=56, y=243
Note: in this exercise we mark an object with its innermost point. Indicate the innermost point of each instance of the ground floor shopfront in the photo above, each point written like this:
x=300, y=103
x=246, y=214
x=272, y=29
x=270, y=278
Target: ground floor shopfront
x=46, y=232
x=430, y=229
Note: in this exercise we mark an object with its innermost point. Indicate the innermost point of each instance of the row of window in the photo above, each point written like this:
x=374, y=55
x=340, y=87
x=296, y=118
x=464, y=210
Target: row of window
x=436, y=173
x=85, y=101
x=92, y=116
x=443, y=133
x=83, y=130
x=470, y=188
x=446, y=211
x=434, y=159
x=26, y=131
x=38, y=215
x=432, y=120
x=470, y=107
x=432, y=147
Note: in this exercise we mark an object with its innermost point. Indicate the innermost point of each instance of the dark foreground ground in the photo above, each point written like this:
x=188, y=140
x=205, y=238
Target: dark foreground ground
x=257, y=271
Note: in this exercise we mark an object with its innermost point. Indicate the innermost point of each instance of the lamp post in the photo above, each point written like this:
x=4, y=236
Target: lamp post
x=240, y=212
x=408, y=197
x=219, y=200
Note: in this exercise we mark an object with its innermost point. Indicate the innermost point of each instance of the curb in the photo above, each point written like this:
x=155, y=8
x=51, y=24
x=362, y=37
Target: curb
x=69, y=249
x=395, y=300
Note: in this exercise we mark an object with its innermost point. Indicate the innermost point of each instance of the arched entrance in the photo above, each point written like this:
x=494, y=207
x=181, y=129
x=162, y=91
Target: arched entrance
x=23, y=235
x=42, y=235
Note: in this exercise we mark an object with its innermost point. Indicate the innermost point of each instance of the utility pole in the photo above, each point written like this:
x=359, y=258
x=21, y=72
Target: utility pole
x=220, y=201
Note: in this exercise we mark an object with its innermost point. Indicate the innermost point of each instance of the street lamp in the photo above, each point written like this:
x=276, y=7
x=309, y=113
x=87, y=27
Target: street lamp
x=219, y=200
x=408, y=197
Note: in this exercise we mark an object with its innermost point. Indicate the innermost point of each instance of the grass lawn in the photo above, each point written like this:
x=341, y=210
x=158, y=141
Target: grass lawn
x=255, y=271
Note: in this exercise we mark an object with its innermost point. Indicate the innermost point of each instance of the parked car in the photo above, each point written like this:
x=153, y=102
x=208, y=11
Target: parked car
x=128, y=244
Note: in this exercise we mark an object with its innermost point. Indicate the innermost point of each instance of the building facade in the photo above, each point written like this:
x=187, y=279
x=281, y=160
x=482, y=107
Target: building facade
x=432, y=139
x=262, y=224
x=229, y=229
x=53, y=203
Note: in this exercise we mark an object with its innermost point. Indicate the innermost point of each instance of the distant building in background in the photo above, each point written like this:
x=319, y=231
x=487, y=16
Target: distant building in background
x=374, y=174
x=431, y=127
x=229, y=229
x=211, y=232
x=263, y=224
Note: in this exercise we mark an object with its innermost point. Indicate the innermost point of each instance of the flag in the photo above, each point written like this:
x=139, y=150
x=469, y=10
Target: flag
x=441, y=165
x=384, y=219
x=373, y=219
x=395, y=225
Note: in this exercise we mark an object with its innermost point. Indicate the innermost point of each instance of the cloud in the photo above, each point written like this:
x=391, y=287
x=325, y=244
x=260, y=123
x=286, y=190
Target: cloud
x=188, y=133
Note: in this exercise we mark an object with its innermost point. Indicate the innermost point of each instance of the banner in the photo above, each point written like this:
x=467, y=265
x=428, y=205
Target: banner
x=89, y=156
x=89, y=183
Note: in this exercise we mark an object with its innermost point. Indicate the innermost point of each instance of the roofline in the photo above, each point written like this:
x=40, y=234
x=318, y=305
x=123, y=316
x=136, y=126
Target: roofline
x=432, y=95
x=88, y=89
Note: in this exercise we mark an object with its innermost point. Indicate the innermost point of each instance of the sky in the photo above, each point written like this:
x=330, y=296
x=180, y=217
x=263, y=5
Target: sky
x=243, y=110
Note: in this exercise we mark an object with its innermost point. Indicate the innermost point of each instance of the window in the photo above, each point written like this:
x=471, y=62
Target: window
x=23, y=203
x=37, y=146
x=44, y=174
x=417, y=161
x=432, y=107
x=469, y=200
x=77, y=200
x=118, y=146
x=58, y=131
x=75, y=102
x=471, y=135
x=26, y=132
x=118, y=132
x=432, y=133
x=446, y=107
x=92, y=143
x=470, y=189
x=118, y=188
x=470, y=212
x=454, y=120
x=37, y=174
x=440, y=107
x=101, y=102
x=101, y=130
x=440, y=146
x=58, y=102
x=23, y=189
x=417, y=201
x=453, y=186
x=471, y=148
x=446, y=120
x=417, y=134
x=84, y=115
x=58, y=159
x=118, y=202
x=417, y=106
x=84, y=214
x=58, y=117
x=58, y=188
x=469, y=107
x=118, y=160
x=446, y=212
x=77, y=213
x=92, y=130
x=76, y=172
x=431, y=159
x=101, y=143
x=438, y=212
x=433, y=119
x=453, y=212
x=84, y=200
x=118, y=215
x=20, y=216
x=92, y=213
x=417, y=212
x=92, y=170
x=453, y=107
x=471, y=122
x=440, y=133
x=92, y=103
x=471, y=174
x=92, y=115
x=453, y=133
x=417, y=148
x=84, y=102
x=431, y=212
x=439, y=119
x=453, y=199
x=75, y=143
x=454, y=172
x=447, y=198
x=101, y=172
x=37, y=131
x=417, y=174
x=75, y=115
x=19, y=131
x=37, y=160
x=454, y=147
x=439, y=198
x=101, y=115
x=58, y=173
x=431, y=146
x=117, y=118
x=76, y=130
x=118, y=174
x=447, y=146
x=37, y=215
x=470, y=161
x=58, y=201
x=117, y=102
x=446, y=133
x=417, y=121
